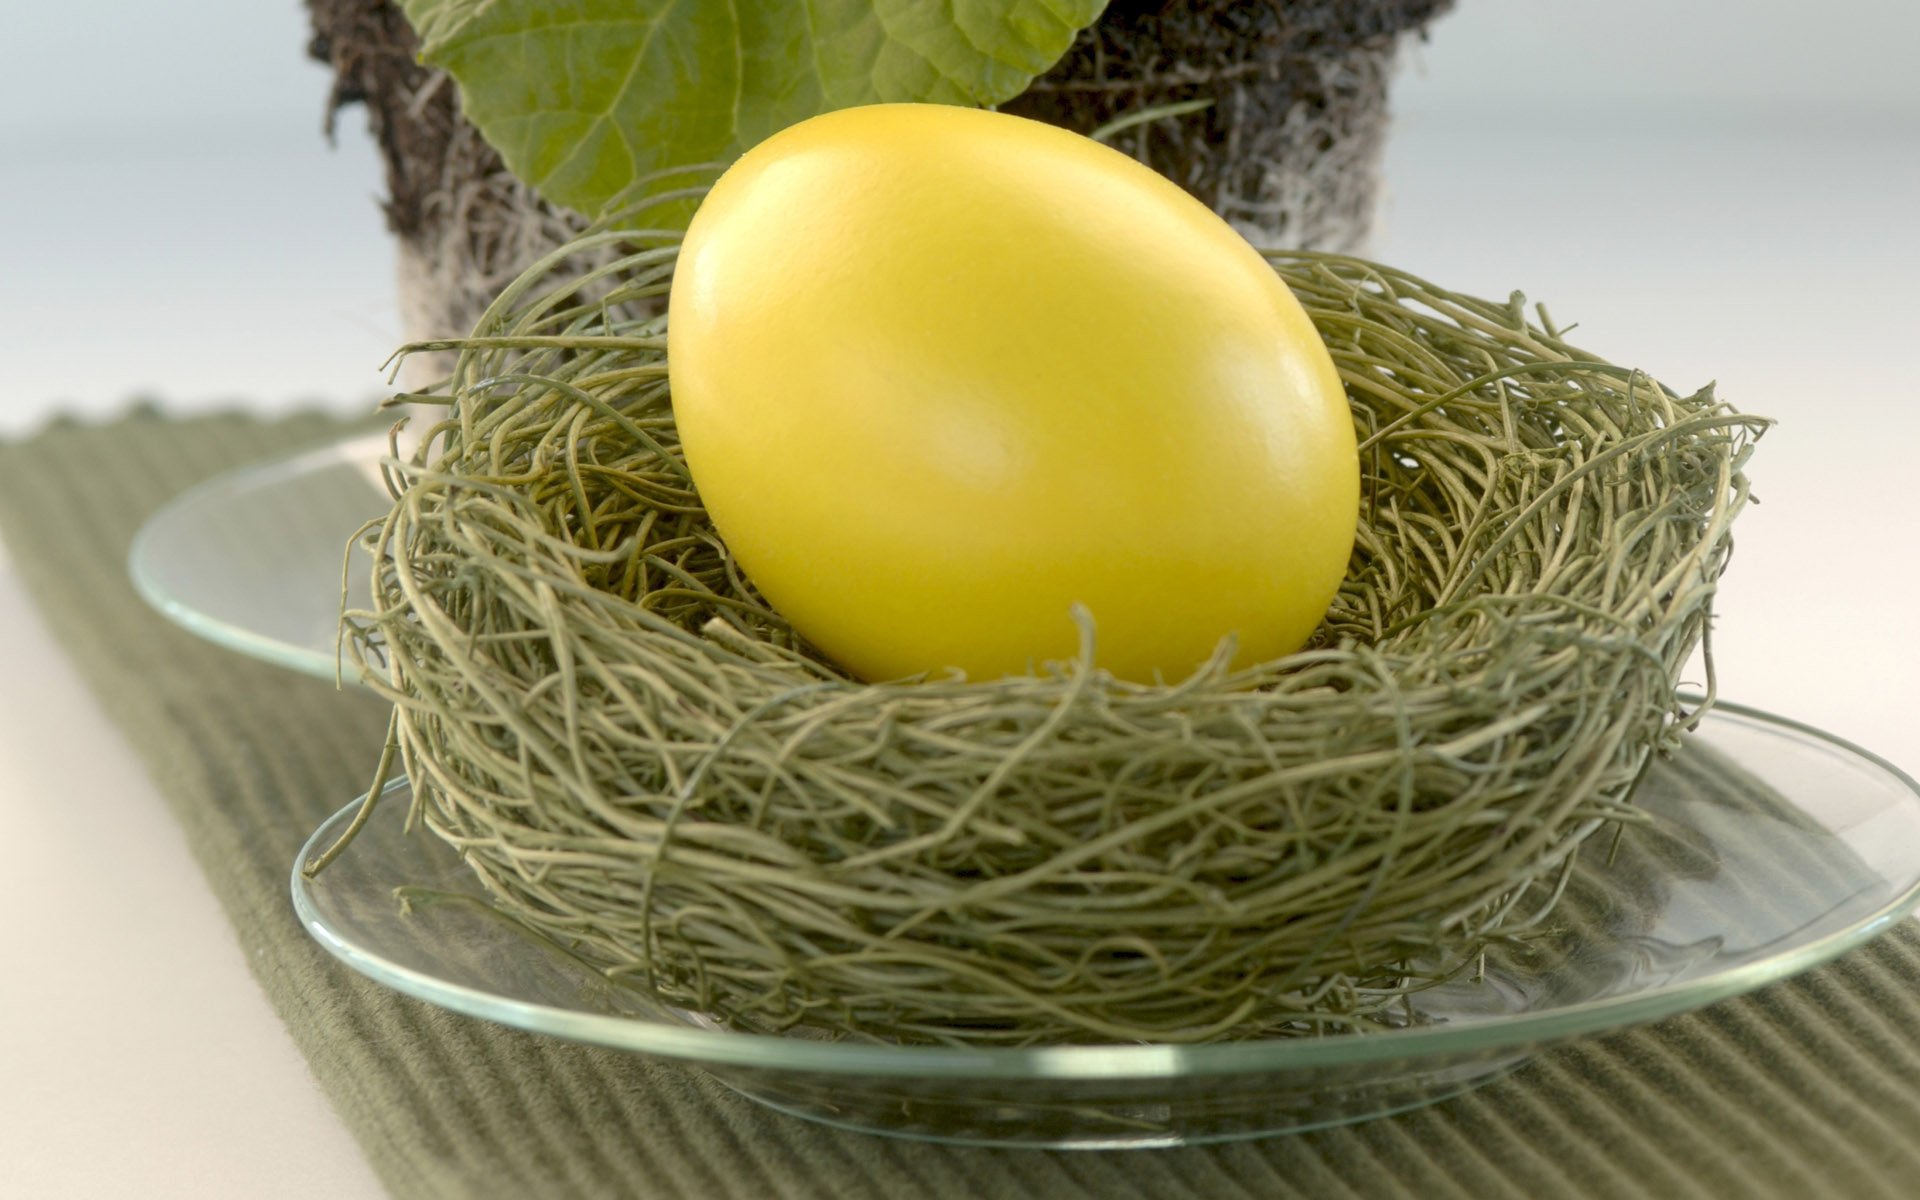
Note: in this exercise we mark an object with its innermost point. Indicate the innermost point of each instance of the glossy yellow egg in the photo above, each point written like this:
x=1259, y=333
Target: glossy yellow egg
x=943, y=374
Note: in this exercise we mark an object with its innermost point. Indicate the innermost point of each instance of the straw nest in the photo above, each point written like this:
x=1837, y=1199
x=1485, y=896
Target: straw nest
x=645, y=765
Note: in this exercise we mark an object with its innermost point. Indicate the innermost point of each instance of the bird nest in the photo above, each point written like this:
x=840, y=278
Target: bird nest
x=645, y=764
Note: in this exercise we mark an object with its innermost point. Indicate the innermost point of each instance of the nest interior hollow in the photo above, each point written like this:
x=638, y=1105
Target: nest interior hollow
x=644, y=763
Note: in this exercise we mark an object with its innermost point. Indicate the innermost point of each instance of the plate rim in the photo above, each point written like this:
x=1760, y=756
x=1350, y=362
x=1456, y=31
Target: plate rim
x=354, y=449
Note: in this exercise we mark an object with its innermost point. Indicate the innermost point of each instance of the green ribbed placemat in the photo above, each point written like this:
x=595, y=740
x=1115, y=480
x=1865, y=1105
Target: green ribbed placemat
x=1809, y=1088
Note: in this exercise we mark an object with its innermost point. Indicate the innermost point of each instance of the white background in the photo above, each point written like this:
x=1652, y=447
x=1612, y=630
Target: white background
x=1714, y=191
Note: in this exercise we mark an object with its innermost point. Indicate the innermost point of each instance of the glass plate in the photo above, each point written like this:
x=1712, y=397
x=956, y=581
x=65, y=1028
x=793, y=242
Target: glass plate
x=252, y=559
x=1770, y=847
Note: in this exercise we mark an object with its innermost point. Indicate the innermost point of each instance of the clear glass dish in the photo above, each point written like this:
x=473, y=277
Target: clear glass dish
x=1770, y=847
x=252, y=559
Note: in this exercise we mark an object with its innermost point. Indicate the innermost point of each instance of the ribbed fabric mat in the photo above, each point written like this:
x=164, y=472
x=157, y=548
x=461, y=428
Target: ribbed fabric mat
x=1810, y=1088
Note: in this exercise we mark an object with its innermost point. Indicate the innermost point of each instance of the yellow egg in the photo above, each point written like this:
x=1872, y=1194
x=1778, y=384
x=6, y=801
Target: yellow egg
x=943, y=374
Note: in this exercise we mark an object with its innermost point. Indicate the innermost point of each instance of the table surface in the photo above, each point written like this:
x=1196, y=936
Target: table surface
x=1776, y=257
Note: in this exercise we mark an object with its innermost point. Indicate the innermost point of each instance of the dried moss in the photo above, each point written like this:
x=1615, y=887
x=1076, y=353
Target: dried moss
x=642, y=761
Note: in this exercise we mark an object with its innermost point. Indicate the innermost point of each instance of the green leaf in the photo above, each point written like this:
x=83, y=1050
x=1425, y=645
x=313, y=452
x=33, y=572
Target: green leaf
x=584, y=97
